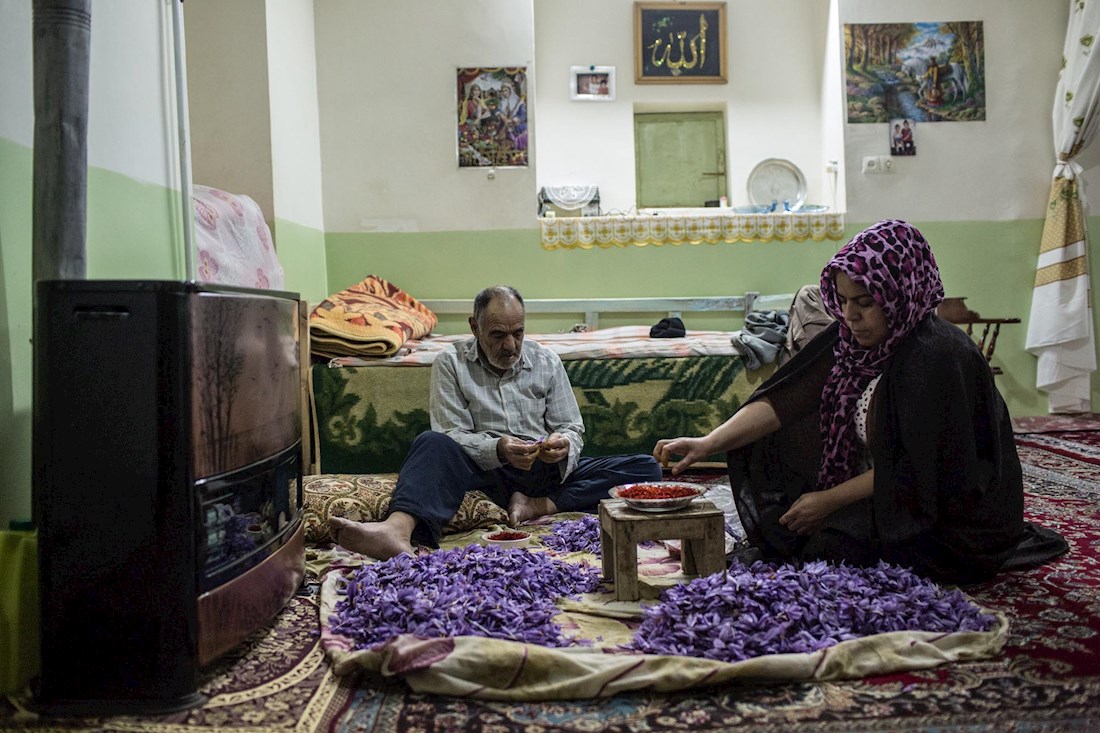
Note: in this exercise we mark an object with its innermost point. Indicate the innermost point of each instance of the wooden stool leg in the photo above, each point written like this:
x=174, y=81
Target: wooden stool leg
x=607, y=554
x=626, y=562
x=689, y=561
x=713, y=559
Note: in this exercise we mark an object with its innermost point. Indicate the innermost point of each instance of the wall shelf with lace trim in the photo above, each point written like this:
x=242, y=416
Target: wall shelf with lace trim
x=690, y=227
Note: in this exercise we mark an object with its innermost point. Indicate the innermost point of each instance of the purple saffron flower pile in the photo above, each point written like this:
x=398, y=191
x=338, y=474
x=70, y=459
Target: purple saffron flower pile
x=469, y=591
x=575, y=535
x=775, y=609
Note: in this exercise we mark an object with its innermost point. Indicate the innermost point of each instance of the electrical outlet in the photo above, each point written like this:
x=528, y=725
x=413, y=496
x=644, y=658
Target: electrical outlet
x=878, y=164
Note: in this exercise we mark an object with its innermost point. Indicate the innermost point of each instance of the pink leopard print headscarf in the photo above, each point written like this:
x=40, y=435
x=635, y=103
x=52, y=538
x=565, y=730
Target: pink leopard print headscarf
x=892, y=260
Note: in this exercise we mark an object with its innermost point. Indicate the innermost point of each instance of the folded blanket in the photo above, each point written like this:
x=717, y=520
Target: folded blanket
x=373, y=318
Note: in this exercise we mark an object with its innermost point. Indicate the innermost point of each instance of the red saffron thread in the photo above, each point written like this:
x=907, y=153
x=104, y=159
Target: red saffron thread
x=653, y=491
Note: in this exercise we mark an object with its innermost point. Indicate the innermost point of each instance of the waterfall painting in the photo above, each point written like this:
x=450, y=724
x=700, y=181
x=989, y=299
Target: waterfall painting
x=924, y=72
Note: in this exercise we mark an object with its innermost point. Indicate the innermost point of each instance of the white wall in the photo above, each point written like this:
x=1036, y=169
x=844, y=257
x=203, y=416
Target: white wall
x=131, y=103
x=999, y=169
x=295, y=126
x=772, y=101
x=832, y=116
x=230, y=108
x=17, y=90
x=387, y=93
x=389, y=160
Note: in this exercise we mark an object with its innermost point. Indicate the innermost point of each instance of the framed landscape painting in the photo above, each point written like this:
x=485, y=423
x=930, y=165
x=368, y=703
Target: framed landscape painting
x=923, y=72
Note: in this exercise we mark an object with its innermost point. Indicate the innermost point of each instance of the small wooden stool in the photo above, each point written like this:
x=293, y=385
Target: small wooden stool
x=700, y=526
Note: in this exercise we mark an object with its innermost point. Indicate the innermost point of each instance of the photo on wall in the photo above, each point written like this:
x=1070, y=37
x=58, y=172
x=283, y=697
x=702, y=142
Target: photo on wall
x=922, y=72
x=592, y=83
x=903, y=137
x=492, y=117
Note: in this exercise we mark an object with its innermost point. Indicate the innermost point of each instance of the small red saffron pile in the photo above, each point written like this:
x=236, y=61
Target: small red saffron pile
x=656, y=491
x=506, y=536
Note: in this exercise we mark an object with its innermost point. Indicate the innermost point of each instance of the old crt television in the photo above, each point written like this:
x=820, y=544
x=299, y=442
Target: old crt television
x=167, y=486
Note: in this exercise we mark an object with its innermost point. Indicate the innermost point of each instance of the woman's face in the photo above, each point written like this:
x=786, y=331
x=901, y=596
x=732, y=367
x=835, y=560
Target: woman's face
x=863, y=316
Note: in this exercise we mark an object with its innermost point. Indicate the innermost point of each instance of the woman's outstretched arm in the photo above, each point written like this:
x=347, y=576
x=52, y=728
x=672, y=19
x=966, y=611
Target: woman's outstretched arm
x=752, y=422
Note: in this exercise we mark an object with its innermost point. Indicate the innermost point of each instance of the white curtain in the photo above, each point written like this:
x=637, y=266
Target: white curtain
x=1060, y=331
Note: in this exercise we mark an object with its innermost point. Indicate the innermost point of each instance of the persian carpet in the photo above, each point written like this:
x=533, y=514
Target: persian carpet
x=1056, y=423
x=1047, y=678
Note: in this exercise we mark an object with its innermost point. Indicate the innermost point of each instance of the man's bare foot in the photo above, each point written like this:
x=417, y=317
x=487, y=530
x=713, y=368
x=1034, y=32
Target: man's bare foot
x=380, y=540
x=522, y=508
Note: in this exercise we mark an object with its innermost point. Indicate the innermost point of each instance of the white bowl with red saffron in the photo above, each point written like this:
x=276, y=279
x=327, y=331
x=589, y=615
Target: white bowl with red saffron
x=658, y=496
x=507, y=538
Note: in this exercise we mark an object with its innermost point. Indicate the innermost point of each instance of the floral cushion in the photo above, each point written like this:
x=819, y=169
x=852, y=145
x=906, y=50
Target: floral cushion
x=366, y=497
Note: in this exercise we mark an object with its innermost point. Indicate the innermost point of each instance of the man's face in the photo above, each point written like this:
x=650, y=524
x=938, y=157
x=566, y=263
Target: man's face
x=500, y=332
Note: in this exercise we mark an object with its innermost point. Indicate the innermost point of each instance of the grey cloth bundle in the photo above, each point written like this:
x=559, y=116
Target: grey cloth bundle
x=764, y=334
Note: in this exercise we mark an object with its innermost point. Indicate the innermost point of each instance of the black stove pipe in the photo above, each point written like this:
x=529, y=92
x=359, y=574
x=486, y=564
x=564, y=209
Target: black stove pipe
x=62, y=44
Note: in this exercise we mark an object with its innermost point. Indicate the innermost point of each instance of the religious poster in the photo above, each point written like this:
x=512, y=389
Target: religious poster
x=492, y=117
x=921, y=72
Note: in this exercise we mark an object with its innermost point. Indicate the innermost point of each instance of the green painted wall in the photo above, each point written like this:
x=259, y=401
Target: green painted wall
x=134, y=229
x=991, y=263
x=302, y=254
x=15, y=330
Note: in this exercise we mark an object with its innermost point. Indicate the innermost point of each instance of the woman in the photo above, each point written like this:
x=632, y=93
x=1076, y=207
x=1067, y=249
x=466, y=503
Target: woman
x=883, y=438
x=473, y=109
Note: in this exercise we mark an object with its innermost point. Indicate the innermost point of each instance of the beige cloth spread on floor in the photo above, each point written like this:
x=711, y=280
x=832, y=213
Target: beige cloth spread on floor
x=494, y=669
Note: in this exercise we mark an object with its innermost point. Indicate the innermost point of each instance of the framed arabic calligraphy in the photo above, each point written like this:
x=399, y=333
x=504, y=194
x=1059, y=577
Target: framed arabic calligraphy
x=680, y=43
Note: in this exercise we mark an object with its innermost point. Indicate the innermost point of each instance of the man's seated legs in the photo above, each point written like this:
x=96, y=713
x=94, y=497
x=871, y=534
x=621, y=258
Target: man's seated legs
x=433, y=480
x=437, y=473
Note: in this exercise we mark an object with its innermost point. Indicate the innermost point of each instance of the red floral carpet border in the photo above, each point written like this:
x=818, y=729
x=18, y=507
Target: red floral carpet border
x=1046, y=680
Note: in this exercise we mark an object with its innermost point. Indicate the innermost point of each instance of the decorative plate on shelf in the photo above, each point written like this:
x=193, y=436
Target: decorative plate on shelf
x=658, y=496
x=777, y=181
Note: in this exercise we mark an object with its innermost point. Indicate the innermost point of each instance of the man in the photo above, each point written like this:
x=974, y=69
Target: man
x=505, y=421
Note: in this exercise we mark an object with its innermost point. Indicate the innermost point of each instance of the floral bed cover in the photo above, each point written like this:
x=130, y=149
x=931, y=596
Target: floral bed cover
x=605, y=343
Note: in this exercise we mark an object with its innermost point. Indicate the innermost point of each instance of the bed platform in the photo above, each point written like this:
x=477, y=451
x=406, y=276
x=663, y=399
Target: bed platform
x=632, y=389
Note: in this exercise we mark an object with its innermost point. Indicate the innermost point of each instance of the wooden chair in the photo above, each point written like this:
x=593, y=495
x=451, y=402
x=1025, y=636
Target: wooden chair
x=984, y=331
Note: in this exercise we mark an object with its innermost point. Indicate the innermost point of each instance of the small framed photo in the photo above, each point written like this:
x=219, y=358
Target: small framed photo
x=903, y=137
x=592, y=83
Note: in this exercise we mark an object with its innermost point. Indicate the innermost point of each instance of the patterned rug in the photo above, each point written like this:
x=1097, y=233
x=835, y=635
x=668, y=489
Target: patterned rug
x=1047, y=679
x=1056, y=423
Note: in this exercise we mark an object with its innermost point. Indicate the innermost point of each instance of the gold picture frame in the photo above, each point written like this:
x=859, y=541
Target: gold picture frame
x=680, y=43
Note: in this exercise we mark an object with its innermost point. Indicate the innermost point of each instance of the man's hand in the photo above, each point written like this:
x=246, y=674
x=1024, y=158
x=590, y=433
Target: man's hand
x=554, y=448
x=516, y=452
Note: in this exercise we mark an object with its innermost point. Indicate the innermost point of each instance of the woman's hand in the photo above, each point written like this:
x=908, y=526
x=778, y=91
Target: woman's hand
x=808, y=512
x=751, y=422
x=692, y=450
